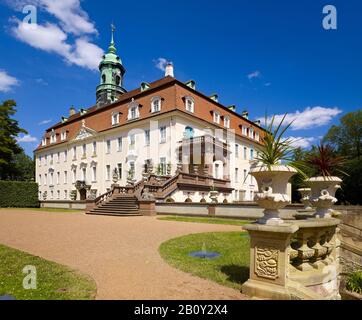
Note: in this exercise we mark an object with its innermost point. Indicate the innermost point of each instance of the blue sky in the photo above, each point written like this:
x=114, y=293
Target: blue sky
x=261, y=55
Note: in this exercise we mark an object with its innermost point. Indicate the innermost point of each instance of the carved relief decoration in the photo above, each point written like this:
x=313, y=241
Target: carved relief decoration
x=266, y=262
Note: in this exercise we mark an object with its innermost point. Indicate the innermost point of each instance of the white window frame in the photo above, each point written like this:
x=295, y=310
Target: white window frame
x=156, y=104
x=45, y=179
x=236, y=150
x=84, y=174
x=65, y=179
x=108, y=172
x=244, y=131
x=163, y=165
x=94, y=174
x=257, y=136
x=84, y=150
x=115, y=118
x=58, y=178
x=65, y=194
x=132, y=142
x=53, y=137
x=44, y=142
x=108, y=147
x=190, y=104
x=163, y=134
x=133, y=111
x=63, y=136
x=147, y=137
x=94, y=145
x=119, y=144
x=65, y=155
x=216, y=117
x=236, y=176
x=227, y=122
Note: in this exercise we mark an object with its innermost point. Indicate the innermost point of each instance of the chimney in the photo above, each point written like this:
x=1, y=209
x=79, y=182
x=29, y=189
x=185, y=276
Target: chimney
x=232, y=107
x=72, y=111
x=257, y=122
x=245, y=114
x=169, y=72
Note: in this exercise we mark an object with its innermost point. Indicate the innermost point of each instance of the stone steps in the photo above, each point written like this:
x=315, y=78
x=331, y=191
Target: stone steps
x=118, y=206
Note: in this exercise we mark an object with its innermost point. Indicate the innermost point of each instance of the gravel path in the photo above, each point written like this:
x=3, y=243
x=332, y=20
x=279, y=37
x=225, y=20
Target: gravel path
x=119, y=253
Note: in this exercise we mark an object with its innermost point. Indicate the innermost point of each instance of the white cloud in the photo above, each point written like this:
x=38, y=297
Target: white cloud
x=7, y=81
x=161, y=63
x=268, y=84
x=27, y=139
x=302, y=142
x=255, y=74
x=41, y=82
x=45, y=122
x=49, y=37
x=311, y=117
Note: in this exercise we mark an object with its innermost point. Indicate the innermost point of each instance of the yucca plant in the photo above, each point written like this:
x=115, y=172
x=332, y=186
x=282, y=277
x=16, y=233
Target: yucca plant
x=276, y=148
x=354, y=282
x=325, y=161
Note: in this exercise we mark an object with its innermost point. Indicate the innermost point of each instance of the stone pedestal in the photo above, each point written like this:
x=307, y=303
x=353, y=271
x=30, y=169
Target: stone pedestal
x=147, y=207
x=269, y=260
x=212, y=209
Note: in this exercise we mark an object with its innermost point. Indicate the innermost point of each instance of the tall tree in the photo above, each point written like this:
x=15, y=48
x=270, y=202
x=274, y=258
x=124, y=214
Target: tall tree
x=347, y=136
x=9, y=130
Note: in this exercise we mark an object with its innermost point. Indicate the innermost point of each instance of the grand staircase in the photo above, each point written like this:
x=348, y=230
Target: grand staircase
x=121, y=205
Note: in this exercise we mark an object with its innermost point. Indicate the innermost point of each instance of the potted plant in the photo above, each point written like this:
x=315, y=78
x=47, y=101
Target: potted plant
x=272, y=173
x=326, y=182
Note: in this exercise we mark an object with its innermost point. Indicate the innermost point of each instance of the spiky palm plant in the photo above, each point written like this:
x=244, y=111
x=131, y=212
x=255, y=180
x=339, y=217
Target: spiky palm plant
x=326, y=162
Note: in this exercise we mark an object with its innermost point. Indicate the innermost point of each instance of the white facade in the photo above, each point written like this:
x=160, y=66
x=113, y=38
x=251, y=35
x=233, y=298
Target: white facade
x=92, y=157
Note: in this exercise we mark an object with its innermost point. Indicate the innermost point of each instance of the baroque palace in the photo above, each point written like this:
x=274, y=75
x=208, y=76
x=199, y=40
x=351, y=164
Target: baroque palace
x=164, y=138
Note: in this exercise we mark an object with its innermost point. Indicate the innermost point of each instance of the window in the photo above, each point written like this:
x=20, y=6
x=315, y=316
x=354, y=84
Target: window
x=190, y=104
x=84, y=148
x=217, y=170
x=94, y=174
x=147, y=137
x=251, y=133
x=133, y=111
x=74, y=176
x=216, y=117
x=245, y=175
x=45, y=179
x=44, y=142
x=162, y=134
x=58, y=177
x=119, y=143
x=251, y=154
x=236, y=150
x=53, y=137
x=52, y=194
x=51, y=178
x=115, y=118
x=39, y=161
x=63, y=135
x=257, y=137
x=132, y=142
x=156, y=104
x=65, y=177
x=51, y=159
x=226, y=122
x=74, y=153
x=65, y=194
x=236, y=174
x=108, y=146
x=189, y=133
x=245, y=130
x=108, y=172
x=65, y=155
x=58, y=157
x=58, y=194
x=94, y=148
x=119, y=167
x=245, y=153
x=39, y=180
x=163, y=166
x=84, y=174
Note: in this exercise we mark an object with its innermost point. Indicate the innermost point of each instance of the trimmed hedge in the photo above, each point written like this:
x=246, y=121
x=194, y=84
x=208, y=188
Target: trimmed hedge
x=14, y=194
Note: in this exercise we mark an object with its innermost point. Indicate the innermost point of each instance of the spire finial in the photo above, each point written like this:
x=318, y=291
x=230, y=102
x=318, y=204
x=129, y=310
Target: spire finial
x=112, y=48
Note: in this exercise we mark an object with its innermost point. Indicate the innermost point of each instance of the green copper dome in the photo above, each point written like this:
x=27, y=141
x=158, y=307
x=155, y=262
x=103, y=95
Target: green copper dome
x=112, y=72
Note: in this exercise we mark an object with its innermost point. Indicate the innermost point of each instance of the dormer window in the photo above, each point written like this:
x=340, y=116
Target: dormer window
x=53, y=137
x=216, y=117
x=245, y=130
x=190, y=104
x=44, y=142
x=257, y=137
x=251, y=133
x=226, y=122
x=63, y=135
x=156, y=104
x=115, y=118
x=133, y=111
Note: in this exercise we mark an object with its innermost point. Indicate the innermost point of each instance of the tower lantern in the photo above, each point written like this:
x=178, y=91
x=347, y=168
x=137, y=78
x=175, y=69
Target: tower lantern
x=111, y=76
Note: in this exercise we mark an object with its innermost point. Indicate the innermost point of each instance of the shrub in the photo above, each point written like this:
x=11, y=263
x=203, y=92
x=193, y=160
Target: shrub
x=354, y=282
x=15, y=194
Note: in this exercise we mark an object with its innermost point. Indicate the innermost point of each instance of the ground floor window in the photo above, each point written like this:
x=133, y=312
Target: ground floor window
x=119, y=167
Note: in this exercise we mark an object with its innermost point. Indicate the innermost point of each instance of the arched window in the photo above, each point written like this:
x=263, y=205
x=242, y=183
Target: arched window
x=103, y=78
x=189, y=132
x=118, y=80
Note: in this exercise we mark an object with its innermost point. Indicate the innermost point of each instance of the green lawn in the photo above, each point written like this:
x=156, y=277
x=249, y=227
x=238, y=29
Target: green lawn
x=54, y=281
x=230, y=269
x=45, y=209
x=211, y=220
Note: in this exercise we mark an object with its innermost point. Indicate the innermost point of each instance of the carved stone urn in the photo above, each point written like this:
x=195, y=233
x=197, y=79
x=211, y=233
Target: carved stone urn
x=213, y=196
x=273, y=190
x=305, y=193
x=323, y=194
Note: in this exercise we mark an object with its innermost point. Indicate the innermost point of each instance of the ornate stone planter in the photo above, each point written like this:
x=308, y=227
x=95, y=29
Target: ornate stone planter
x=305, y=192
x=273, y=190
x=323, y=192
x=213, y=196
